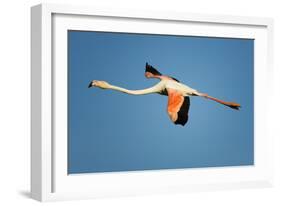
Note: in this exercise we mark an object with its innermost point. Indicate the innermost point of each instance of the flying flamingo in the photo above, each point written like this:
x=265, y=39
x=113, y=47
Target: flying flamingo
x=178, y=94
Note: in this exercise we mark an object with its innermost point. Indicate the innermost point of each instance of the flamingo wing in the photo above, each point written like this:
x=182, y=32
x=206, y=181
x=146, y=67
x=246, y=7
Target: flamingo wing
x=178, y=107
x=156, y=74
x=152, y=70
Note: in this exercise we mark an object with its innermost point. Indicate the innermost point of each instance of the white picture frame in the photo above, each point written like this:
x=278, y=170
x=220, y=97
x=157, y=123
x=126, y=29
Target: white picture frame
x=49, y=178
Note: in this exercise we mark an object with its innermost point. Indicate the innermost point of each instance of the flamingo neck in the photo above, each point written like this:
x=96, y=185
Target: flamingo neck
x=133, y=92
x=120, y=89
x=159, y=87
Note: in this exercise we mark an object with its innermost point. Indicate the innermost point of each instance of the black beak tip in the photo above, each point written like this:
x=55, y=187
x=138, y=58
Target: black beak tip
x=90, y=85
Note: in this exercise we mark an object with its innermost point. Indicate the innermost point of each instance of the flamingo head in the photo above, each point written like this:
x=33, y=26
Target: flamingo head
x=100, y=84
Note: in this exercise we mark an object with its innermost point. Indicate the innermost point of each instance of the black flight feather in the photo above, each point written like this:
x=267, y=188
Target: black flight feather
x=183, y=112
x=151, y=69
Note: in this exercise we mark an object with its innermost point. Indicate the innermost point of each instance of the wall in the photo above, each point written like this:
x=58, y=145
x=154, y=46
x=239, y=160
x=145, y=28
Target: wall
x=15, y=95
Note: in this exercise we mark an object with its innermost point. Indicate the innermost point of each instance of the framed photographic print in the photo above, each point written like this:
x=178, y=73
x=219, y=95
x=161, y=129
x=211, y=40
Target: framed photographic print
x=138, y=102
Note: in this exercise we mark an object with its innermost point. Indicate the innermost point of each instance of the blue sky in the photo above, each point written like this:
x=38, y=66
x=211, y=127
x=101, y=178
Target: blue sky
x=111, y=131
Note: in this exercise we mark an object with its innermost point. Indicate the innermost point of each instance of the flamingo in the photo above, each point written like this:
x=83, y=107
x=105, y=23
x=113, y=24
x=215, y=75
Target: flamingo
x=177, y=92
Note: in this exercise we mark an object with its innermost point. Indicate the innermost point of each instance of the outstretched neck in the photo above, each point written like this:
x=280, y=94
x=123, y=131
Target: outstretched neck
x=155, y=89
x=127, y=91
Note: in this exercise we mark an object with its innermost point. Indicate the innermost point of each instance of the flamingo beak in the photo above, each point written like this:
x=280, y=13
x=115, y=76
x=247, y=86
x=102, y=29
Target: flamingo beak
x=90, y=85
